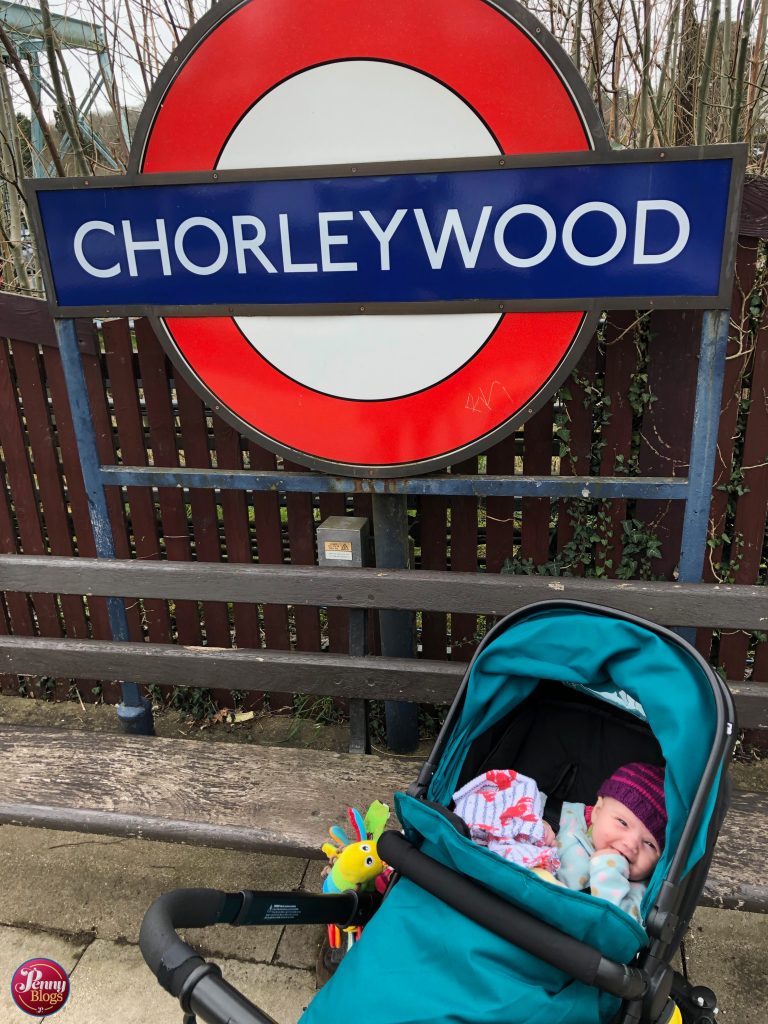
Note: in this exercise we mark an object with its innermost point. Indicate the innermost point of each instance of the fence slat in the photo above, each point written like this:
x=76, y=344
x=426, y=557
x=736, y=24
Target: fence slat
x=156, y=381
x=537, y=460
x=746, y=256
x=760, y=668
x=620, y=364
x=18, y=604
x=338, y=618
x=463, y=559
x=119, y=357
x=750, y=520
x=269, y=547
x=205, y=528
x=301, y=538
x=95, y=373
x=500, y=512
x=236, y=532
x=49, y=483
x=78, y=501
x=433, y=541
x=362, y=505
x=576, y=460
x=15, y=615
x=667, y=423
x=22, y=492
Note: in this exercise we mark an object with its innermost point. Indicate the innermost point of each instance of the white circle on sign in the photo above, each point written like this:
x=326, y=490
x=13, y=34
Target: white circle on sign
x=347, y=111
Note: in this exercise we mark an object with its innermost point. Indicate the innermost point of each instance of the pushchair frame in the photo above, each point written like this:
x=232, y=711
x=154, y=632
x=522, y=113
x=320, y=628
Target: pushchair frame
x=649, y=992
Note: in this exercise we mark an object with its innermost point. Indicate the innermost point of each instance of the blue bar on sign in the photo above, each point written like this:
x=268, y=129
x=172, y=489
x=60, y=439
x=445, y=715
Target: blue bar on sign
x=522, y=233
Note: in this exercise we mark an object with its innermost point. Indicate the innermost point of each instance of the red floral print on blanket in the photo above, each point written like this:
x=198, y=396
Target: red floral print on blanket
x=523, y=809
x=502, y=779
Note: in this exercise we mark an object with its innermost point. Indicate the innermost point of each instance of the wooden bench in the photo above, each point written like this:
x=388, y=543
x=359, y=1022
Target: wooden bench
x=282, y=800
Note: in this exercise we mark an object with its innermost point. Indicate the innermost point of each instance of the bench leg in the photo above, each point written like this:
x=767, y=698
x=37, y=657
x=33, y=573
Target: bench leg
x=136, y=719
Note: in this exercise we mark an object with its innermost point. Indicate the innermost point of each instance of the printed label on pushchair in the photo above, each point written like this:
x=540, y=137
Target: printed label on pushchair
x=281, y=912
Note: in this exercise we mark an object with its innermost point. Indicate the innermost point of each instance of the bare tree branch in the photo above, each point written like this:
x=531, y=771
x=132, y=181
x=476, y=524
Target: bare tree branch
x=18, y=67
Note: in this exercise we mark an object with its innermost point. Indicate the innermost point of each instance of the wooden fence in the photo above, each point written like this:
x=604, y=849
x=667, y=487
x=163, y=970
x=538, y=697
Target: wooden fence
x=627, y=408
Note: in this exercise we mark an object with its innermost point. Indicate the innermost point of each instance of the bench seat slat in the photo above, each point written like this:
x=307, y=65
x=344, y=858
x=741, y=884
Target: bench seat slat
x=738, y=877
x=268, y=799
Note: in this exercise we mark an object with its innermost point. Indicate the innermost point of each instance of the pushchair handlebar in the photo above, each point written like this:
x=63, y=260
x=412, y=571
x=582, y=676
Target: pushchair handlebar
x=180, y=970
x=197, y=984
x=576, y=958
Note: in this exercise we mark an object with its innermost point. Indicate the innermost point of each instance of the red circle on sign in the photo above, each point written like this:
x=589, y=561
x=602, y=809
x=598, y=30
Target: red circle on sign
x=525, y=97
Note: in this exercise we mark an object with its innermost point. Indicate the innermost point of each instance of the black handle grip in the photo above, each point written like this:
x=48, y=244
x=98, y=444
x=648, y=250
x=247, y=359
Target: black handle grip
x=517, y=926
x=180, y=970
x=170, y=959
x=198, y=985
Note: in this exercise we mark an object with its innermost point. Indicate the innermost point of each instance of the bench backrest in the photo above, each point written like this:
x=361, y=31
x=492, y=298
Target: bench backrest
x=421, y=680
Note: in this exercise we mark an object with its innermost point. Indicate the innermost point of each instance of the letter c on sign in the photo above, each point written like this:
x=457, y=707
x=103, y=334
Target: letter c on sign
x=82, y=231
x=570, y=224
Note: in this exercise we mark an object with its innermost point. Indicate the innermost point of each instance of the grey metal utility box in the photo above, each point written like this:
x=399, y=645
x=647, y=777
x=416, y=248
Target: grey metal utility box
x=343, y=540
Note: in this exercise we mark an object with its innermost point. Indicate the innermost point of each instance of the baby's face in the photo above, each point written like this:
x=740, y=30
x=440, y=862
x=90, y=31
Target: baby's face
x=615, y=827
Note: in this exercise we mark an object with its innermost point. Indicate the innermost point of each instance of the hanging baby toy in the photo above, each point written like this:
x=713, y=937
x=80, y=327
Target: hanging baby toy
x=354, y=863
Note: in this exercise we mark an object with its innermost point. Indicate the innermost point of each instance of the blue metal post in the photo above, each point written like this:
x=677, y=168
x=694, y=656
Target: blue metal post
x=135, y=711
x=390, y=534
x=701, y=468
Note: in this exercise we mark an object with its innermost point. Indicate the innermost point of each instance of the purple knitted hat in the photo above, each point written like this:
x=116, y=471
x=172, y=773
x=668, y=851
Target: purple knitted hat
x=640, y=787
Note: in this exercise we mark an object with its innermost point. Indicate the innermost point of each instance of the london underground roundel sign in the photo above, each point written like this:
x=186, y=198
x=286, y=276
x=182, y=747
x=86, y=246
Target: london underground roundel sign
x=308, y=83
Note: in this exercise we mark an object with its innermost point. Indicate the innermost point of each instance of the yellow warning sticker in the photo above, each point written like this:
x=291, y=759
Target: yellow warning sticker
x=341, y=549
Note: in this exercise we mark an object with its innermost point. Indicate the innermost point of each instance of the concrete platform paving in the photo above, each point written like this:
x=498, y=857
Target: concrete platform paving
x=79, y=900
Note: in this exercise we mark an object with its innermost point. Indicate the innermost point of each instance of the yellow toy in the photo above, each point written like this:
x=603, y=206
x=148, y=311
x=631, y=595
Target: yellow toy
x=354, y=863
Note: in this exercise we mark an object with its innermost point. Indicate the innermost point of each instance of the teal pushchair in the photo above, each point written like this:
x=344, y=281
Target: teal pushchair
x=565, y=693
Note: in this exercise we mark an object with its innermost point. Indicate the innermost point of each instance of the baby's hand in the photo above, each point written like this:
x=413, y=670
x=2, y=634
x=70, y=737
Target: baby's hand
x=549, y=835
x=613, y=860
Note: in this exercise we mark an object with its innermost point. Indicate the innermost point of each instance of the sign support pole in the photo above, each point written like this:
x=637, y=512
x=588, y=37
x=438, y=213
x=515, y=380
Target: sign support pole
x=134, y=712
x=701, y=467
x=390, y=535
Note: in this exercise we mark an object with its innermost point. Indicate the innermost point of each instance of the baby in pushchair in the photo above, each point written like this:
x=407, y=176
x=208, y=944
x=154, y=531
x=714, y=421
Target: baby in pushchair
x=608, y=849
x=592, y=705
